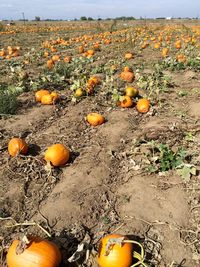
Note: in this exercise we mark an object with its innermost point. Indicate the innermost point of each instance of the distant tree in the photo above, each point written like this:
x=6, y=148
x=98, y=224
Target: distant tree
x=89, y=18
x=83, y=18
x=37, y=18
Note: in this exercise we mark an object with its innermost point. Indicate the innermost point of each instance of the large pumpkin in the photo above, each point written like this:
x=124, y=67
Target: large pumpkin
x=39, y=253
x=117, y=256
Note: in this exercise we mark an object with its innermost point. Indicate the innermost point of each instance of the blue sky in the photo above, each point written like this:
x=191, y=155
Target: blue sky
x=69, y=9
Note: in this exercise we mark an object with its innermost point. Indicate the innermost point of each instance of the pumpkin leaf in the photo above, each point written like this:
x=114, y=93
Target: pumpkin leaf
x=186, y=171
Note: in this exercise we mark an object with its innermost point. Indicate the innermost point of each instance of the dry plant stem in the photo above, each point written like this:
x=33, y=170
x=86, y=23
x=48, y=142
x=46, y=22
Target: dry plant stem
x=30, y=224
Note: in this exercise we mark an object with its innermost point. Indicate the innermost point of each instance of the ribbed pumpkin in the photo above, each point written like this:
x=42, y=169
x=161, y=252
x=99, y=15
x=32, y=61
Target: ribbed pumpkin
x=118, y=256
x=57, y=154
x=39, y=253
x=17, y=146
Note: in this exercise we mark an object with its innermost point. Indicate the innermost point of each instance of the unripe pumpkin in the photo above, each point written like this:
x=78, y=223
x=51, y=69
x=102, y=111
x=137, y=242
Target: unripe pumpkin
x=39, y=253
x=57, y=154
x=131, y=91
x=17, y=146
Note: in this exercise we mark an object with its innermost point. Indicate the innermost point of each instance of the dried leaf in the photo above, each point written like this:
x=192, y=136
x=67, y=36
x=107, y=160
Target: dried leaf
x=113, y=241
x=22, y=245
x=82, y=250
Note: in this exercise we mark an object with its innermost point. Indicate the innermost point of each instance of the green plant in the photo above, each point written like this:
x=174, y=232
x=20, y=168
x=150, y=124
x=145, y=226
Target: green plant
x=154, y=82
x=8, y=101
x=163, y=158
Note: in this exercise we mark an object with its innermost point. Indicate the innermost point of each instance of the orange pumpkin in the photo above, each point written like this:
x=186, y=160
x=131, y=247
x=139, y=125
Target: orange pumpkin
x=57, y=154
x=125, y=102
x=67, y=59
x=95, y=119
x=47, y=99
x=165, y=51
x=90, y=52
x=177, y=44
x=39, y=253
x=181, y=58
x=17, y=146
x=143, y=105
x=55, y=58
x=127, y=76
x=55, y=96
x=116, y=256
x=50, y=63
x=39, y=94
x=128, y=55
x=81, y=49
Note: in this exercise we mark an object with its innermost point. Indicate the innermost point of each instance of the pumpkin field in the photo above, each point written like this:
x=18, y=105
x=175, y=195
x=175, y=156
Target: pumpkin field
x=99, y=139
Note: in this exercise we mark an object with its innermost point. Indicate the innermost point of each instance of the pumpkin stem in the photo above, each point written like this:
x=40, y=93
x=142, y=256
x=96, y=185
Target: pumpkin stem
x=136, y=255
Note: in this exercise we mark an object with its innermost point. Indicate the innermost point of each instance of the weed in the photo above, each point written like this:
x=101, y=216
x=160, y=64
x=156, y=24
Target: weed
x=8, y=101
x=164, y=158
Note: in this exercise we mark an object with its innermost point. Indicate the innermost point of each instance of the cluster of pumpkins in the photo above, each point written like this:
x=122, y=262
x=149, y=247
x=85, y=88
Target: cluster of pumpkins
x=114, y=250
x=59, y=154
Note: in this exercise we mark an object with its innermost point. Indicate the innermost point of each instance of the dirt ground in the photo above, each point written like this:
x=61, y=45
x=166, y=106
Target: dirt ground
x=104, y=188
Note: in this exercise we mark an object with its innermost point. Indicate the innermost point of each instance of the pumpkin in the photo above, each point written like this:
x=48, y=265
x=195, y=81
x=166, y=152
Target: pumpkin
x=157, y=45
x=17, y=146
x=143, y=105
x=39, y=94
x=181, y=58
x=50, y=63
x=81, y=49
x=57, y=154
x=38, y=253
x=128, y=56
x=78, y=93
x=46, y=54
x=67, y=59
x=177, y=44
x=125, y=102
x=131, y=91
x=95, y=119
x=116, y=256
x=47, y=99
x=55, y=58
x=127, y=75
x=90, y=52
x=165, y=51
x=55, y=96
